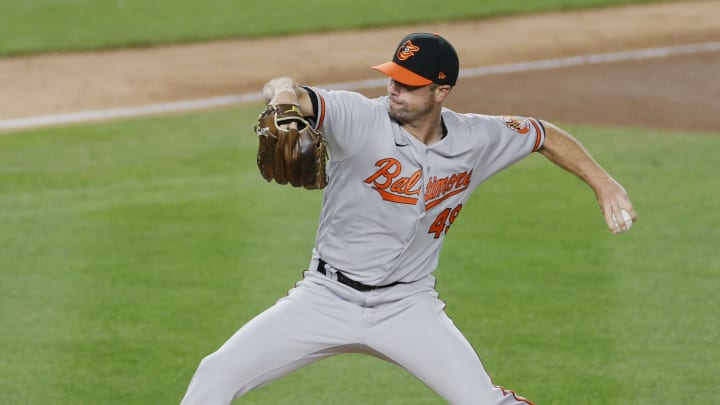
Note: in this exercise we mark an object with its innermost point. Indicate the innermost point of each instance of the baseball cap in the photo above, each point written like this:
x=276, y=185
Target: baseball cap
x=422, y=58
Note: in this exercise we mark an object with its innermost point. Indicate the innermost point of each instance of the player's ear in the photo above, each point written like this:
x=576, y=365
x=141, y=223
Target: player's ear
x=441, y=92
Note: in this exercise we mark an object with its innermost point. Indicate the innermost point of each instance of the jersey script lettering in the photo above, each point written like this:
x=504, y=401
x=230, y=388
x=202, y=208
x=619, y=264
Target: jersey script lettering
x=397, y=190
x=403, y=190
x=438, y=190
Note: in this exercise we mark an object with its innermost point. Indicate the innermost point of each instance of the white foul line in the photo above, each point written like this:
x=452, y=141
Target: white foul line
x=198, y=104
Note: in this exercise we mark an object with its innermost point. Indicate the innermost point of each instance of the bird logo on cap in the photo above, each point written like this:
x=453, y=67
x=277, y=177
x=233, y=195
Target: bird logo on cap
x=407, y=50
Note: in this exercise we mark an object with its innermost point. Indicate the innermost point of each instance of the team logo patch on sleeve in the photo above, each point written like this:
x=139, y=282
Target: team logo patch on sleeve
x=521, y=125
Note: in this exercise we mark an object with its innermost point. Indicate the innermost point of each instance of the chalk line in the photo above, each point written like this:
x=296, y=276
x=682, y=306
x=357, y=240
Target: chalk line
x=206, y=103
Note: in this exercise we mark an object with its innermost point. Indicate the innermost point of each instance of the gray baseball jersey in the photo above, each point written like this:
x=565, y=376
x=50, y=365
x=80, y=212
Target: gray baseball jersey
x=391, y=199
x=389, y=203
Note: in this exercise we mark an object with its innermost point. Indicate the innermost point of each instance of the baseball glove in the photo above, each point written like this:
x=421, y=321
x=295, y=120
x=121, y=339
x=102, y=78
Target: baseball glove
x=290, y=155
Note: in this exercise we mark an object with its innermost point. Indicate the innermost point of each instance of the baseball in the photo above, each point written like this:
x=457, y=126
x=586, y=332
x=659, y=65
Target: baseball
x=627, y=218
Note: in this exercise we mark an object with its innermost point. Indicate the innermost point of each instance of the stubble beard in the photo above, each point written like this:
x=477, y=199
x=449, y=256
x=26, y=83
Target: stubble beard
x=405, y=116
x=399, y=116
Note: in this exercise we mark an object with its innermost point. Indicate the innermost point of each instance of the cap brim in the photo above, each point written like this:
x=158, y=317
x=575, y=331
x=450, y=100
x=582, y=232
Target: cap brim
x=402, y=75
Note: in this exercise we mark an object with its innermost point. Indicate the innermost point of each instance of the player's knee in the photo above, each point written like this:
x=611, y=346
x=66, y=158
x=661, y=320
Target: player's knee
x=209, y=374
x=210, y=369
x=208, y=385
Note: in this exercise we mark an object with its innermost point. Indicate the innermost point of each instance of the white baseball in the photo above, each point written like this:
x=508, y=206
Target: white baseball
x=627, y=218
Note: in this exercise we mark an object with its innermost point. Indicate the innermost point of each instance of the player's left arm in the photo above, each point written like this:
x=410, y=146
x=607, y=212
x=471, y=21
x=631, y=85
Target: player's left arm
x=565, y=151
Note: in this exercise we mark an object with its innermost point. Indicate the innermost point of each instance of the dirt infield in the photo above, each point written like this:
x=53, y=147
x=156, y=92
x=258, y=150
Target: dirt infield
x=680, y=92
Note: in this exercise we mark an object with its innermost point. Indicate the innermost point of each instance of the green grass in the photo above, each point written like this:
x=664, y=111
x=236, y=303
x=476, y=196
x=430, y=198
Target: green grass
x=130, y=250
x=51, y=25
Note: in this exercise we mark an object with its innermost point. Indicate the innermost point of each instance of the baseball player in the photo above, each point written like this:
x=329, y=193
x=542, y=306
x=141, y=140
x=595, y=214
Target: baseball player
x=400, y=170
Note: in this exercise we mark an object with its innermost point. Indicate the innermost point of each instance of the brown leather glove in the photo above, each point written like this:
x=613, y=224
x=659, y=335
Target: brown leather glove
x=290, y=154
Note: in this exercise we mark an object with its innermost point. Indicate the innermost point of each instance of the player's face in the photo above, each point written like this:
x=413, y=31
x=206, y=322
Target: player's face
x=413, y=103
x=410, y=103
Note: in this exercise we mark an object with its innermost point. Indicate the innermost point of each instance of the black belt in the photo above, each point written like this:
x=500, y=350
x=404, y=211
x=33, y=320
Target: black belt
x=352, y=283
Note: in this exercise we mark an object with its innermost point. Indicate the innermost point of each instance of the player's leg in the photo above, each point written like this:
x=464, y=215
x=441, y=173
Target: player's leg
x=418, y=336
x=306, y=326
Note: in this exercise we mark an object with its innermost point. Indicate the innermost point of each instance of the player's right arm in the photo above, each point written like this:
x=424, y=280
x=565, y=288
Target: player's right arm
x=566, y=152
x=284, y=90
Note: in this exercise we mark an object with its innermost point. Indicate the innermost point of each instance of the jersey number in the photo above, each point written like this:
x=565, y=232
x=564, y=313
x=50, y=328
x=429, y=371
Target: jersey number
x=444, y=220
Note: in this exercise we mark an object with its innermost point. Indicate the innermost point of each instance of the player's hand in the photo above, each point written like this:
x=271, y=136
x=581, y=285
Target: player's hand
x=612, y=198
x=291, y=125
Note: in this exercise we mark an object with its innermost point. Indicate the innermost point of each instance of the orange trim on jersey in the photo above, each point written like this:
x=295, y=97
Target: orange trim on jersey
x=516, y=396
x=321, y=118
x=388, y=196
x=538, y=134
x=402, y=75
x=443, y=198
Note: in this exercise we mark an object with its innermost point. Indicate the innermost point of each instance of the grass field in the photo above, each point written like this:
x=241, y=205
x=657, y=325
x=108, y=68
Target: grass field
x=131, y=249
x=52, y=25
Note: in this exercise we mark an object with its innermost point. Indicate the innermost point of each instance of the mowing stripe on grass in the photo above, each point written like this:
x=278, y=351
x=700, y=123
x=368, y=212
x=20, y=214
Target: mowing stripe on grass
x=188, y=105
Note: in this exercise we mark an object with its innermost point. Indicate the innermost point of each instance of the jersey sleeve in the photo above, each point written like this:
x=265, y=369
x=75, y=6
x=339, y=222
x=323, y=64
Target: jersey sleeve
x=526, y=131
x=344, y=118
x=507, y=139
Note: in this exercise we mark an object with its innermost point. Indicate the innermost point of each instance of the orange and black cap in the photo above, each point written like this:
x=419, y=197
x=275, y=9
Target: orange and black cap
x=423, y=58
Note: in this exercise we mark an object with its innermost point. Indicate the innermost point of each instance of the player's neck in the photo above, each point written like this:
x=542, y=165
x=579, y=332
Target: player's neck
x=427, y=130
